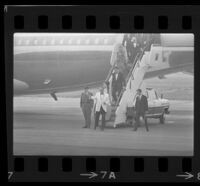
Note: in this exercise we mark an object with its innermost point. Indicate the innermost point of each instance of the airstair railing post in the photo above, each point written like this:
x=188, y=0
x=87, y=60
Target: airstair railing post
x=138, y=57
x=137, y=60
x=128, y=76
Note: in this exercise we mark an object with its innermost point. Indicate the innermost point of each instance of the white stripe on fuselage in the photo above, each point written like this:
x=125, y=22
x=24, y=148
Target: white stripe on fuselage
x=30, y=49
x=45, y=42
x=174, y=49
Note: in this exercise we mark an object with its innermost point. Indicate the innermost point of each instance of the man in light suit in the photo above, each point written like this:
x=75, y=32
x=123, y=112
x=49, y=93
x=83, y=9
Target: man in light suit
x=101, y=101
x=141, y=108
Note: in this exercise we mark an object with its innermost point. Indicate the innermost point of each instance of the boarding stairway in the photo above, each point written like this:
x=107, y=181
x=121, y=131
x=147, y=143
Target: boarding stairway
x=133, y=81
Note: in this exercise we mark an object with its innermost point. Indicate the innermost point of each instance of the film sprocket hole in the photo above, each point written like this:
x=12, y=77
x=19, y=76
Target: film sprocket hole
x=102, y=93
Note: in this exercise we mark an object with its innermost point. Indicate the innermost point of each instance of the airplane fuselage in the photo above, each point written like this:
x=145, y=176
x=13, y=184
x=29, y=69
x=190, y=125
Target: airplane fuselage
x=54, y=70
x=48, y=63
x=62, y=63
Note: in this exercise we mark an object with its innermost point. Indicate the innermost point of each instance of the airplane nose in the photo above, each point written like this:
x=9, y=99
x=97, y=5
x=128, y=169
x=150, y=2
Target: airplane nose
x=19, y=85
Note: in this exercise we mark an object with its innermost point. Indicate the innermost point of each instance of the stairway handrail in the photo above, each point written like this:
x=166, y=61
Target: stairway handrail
x=112, y=68
x=137, y=59
x=110, y=73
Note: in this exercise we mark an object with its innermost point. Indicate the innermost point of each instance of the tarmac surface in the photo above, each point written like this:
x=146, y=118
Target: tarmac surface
x=45, y=127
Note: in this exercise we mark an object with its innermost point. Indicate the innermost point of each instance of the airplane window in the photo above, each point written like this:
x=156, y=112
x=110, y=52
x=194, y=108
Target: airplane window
x=27, y=42
x=78, y=41
x=35, y=42
x=156, y=57
x=105, y=41
x=96, y=41
x=87, y=41
x=52, y=41
x=22, y=43
x=61, y=42
x=19, y=42
x=44, y=42
x=70, y=41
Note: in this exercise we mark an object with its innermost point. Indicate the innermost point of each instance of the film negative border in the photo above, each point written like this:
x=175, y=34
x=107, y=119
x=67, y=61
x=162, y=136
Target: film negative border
x=89, y=19
x=114, y=22
x=101, y=19
x=125, y=169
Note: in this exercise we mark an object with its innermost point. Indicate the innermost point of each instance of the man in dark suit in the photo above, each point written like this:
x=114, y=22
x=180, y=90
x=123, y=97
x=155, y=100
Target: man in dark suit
x=86, y=104
x=118, y=83
x=141, y=107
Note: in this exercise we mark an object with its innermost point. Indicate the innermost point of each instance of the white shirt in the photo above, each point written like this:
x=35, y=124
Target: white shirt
x=116, y=76
x=101, y=101
x=139, y=96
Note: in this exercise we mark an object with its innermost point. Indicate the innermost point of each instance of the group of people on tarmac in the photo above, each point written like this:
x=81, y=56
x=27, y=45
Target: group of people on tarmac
x=121, y=59
x=99, y=103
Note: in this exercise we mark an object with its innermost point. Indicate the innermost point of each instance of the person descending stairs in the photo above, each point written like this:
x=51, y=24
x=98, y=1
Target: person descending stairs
x=133, y=74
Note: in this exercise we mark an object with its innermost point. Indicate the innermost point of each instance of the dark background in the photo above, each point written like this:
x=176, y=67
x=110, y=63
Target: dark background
x=126, y=14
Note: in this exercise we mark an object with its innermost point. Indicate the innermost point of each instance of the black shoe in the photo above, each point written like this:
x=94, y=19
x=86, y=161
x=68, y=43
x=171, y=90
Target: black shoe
x=85, y=127
x=134, y=129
